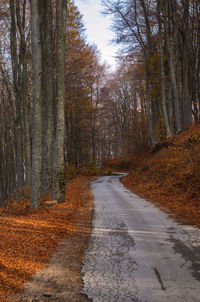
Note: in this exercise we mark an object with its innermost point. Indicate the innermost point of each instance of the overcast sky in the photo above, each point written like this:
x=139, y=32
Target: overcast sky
x=97, y=28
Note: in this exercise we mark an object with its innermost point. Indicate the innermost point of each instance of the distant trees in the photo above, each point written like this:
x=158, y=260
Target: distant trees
x=163, y=36
x=83, y=80
x=14, y=98
x=123, y=99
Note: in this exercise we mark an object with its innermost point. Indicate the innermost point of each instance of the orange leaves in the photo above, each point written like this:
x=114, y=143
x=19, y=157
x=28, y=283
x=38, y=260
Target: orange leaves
x=172, y=178
x=28, y=241
x=117, y=164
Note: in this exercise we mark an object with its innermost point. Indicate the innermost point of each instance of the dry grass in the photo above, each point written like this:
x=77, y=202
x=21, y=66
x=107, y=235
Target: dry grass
x=27, y=241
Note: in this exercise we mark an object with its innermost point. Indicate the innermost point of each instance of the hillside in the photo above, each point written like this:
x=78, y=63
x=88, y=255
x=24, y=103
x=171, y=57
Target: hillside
x=170, y=177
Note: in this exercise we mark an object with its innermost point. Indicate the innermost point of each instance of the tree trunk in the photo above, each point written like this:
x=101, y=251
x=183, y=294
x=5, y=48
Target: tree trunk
x=147, y=54
x=148, y=102
x=16, y=81
x=49, y=94
x=187, y=106
x=172, y=69
x=36, y=122
x=48, y=97
x=59, y=164
x=162, y=73
x=23, y=79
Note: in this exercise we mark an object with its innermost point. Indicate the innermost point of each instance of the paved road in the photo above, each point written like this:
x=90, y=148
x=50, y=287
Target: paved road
x=137, y=252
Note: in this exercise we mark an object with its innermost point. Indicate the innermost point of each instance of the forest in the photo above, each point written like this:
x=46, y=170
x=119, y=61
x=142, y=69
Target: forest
x=61, y=107
x=66, y=117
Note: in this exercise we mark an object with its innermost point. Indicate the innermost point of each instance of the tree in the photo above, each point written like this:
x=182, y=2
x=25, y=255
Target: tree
x=165, y=10
x=37, y=121
x=59, y=162
x=162, y=71
x=46, y=33
x=19, y=70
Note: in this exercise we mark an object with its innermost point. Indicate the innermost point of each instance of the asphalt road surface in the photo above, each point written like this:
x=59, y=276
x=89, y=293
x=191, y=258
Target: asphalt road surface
x=137, y=252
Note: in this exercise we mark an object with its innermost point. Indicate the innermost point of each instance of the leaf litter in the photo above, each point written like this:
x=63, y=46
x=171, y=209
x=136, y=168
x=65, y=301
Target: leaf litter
x=28, y=242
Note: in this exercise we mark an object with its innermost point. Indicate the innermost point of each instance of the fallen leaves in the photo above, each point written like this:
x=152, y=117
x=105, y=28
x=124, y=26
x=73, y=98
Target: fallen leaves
x=172, y=179
x=28, y=241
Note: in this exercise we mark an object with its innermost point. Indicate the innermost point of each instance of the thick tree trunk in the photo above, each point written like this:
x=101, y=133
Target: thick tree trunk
x=46, y=31
x=170, y=109
x=198, y=58
x=162, y=73
x=16, y=81
x=187, y=106
x=36, y=122
x=172, y=69
x=27, y=144
x=23, y=79
x=49, y=94
x=148, y=102
x=147, y=54
x=59, y=164
x=194, y=44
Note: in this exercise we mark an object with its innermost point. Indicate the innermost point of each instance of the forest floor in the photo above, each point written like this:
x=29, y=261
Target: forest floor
x=170, y=177
x=41, y=252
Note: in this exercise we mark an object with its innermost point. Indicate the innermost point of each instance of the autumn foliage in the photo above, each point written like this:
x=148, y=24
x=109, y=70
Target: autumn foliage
x=27, y=241
x=171, y=176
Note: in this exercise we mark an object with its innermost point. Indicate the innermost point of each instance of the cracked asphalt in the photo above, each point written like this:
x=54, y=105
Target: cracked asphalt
x=137, y=252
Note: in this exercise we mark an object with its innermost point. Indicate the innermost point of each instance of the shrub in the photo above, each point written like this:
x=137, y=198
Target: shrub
x=72, y=172
x=117, y=164
x=91, y=170
x=109, y=172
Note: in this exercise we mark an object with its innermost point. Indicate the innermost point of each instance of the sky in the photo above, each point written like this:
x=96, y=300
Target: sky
x=98, y=29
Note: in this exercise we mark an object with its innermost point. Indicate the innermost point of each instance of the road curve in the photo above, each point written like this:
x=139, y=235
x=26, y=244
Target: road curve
x=137, y=252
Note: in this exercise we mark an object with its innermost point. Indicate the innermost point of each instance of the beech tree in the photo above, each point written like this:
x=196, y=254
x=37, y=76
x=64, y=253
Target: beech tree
x=47, y=43
x=37, y=118
x=162, y=72
x=18, y=50
x=59, y=162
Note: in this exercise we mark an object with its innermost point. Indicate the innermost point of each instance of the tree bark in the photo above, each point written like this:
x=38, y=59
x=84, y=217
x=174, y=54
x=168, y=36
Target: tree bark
x=46, y=25
x=36, y=121
x=23, y=88
x=59, y=163
x=187, y=106
x=147, y=55
x=148, y=102
x=16, y=71
x=162, y=73
x=172, y=69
